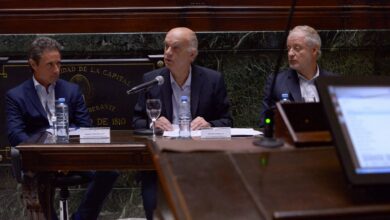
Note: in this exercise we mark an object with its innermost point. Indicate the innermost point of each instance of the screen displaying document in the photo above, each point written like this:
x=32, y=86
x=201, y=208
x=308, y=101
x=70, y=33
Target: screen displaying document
x=364, y=115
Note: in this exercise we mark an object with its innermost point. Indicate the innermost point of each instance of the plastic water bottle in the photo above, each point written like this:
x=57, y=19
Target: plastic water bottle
x=54, y=125
x=184, y=118
x=284, y=98
x=62, y=117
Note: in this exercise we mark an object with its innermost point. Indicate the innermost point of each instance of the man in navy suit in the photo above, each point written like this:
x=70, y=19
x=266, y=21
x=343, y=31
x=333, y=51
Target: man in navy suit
x=297, y=82
x=205, y=88
x=29, y=108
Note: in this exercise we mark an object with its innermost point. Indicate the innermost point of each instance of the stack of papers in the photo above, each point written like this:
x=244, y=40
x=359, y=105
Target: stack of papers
x=235, y=132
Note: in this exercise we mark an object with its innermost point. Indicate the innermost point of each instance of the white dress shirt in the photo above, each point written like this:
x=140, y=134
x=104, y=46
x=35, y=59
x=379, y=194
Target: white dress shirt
x=177, y=93
x=308, y=88
x=47, y=98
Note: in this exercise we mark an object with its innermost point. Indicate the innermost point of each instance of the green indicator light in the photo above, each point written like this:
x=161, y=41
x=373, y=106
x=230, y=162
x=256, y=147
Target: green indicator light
x=263, y=161
x=267, y=121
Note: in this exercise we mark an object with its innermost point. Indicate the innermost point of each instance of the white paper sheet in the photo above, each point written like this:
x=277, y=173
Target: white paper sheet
x=233, y=131
x=95, y=132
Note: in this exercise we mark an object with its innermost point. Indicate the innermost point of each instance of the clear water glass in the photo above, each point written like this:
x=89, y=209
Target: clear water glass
x=153, y=109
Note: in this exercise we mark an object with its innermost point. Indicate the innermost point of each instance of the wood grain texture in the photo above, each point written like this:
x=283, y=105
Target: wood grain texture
x=21, y=16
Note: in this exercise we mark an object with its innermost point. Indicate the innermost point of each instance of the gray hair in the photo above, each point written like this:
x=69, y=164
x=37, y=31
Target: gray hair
x=193, y=42
x=42, y=44
x=311, y=36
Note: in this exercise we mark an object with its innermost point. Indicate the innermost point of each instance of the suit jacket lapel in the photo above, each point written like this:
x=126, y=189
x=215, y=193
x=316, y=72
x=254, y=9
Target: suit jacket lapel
x=196, y=87
x=293, y=85
x=323, y=73
x=34, y=98
x=59, y=91
x=166, y=93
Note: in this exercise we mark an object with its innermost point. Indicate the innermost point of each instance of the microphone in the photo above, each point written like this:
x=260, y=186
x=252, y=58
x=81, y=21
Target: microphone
x=268, y=140
x=146, y=86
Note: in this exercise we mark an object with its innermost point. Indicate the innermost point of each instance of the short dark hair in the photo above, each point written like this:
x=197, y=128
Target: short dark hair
x=41, y=44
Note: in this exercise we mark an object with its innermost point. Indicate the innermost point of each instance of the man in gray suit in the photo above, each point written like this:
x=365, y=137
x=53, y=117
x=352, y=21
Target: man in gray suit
x=297, y=82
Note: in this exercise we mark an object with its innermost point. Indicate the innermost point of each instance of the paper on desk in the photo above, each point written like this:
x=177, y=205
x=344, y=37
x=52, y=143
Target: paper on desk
x=175, y=133
x=245, y=132
x=95, y=140
x=74, y=131
x=233, y=131
x=95, y=132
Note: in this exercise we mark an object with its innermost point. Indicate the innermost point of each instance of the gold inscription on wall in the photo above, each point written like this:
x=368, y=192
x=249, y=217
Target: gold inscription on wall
x=101, y=107
x=117, y=121
x=100, y=71
x=103, y=82
x=104, y=87
x=4, y=75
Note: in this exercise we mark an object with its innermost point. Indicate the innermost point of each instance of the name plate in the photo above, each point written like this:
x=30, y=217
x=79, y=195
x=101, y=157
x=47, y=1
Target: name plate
x=95, y=133
x=95, y=140
x=216, y=133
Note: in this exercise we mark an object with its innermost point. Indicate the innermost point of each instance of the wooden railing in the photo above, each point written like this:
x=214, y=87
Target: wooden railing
x=87, y=16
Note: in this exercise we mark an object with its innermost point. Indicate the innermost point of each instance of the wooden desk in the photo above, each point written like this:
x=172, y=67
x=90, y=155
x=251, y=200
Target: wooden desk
x=40, y=162
x=273, y=184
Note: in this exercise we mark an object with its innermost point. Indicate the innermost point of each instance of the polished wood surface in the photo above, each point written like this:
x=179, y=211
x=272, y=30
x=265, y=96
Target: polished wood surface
x=40, y=162
x=87, y=16
x=196, y=144
x=273, y=184
x=124, y=151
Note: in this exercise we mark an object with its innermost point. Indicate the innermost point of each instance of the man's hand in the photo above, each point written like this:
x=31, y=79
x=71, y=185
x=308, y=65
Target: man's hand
x=199, y=123
x=164, y=124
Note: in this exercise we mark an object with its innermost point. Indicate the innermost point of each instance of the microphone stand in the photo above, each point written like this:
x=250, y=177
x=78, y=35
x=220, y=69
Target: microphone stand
x=144, y=87
x=268, y=140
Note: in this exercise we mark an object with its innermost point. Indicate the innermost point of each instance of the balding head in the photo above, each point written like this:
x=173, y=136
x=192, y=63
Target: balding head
x=181, y=49
x=187, y=35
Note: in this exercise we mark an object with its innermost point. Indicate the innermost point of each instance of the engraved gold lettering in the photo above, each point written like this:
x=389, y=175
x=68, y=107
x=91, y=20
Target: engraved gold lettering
x=4, y=75
x=82, y=68
x=68, y=69
x=118, y=121
x=112, y=75
x=102, y=122
x=102, y=107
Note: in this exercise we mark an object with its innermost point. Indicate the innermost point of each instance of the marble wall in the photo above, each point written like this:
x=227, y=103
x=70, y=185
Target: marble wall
x=245, y=59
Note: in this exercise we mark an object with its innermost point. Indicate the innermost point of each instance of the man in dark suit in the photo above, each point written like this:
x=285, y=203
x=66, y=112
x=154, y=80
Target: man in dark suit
x=205, y=88
x=29, y=108
x=297, y=82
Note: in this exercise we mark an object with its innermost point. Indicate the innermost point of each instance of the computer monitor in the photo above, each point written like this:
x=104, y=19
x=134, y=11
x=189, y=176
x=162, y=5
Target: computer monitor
x=358, y=110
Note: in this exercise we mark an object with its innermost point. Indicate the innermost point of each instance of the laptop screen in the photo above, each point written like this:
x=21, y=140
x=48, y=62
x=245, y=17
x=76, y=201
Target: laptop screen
x=359, y=117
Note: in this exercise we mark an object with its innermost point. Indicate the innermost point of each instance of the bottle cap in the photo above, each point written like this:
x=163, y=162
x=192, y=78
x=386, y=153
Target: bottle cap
x=62, y=100
x=184, y=98
x=285, y=96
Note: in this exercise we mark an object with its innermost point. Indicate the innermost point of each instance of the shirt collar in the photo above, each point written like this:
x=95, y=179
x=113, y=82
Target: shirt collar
x=301, y=77
x=187, y=83
x=38, y=85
